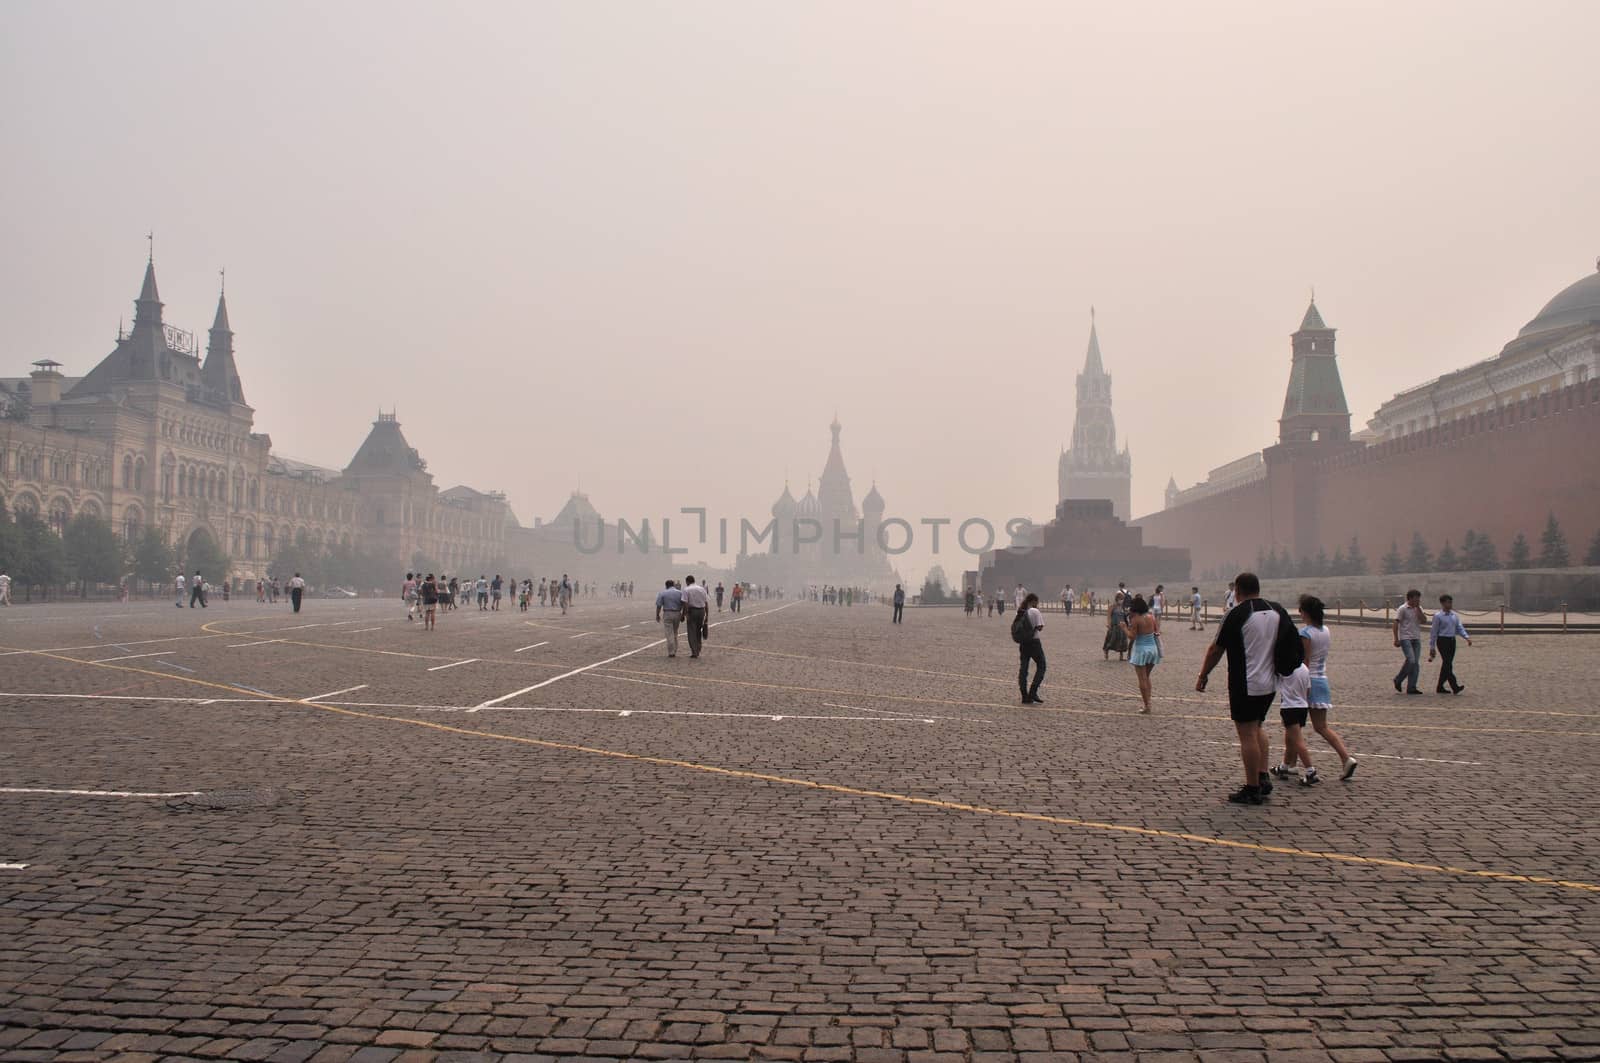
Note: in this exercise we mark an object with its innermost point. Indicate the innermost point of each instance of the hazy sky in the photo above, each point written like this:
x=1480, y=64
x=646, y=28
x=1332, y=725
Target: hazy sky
x=649, y=249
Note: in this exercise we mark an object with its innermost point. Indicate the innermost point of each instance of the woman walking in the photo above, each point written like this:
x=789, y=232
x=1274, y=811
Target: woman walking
x=1143, y=626
x=1314, y=640
x=1116, y=637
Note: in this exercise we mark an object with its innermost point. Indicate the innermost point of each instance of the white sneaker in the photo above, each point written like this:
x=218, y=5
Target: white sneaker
x=1349, y=769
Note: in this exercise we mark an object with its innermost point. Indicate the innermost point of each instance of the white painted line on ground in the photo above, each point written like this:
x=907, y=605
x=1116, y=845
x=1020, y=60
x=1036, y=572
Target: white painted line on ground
x=599, y=664
x=359, y=630
x=535, y=646
x=1378, y=756
x=452, y=664
x=137, y=697
x=169, y=664
x=646, y=682
x=893, y=712
x=624, y=627
x=334, y=693
x=12, y=867
x=92, y=793
x=263, y=642
x=133, y=657
x=580, y=634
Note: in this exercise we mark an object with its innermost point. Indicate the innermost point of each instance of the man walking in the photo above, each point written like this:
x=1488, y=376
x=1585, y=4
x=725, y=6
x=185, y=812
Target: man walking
x=1249, y=637
x=669, y=613
x=1066, y=600
x=1442, y=635
x=695, y=604
x=899, y=602
x=1196, y=621
x=297, y=591
x=197, y=591
x=5, y=588
x=408, y=594
x=1025, y=628
x=719, y=596
x=1408, y=621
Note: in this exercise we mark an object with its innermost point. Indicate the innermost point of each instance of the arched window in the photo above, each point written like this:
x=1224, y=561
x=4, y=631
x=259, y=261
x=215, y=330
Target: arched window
x=255, y=494
x=138, y=475
x=266, y=540
x=60, y=514
x=250, y=538
x=130, y=525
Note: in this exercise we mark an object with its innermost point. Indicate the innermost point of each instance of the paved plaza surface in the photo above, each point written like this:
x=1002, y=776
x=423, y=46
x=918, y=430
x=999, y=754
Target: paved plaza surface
x=243, y=833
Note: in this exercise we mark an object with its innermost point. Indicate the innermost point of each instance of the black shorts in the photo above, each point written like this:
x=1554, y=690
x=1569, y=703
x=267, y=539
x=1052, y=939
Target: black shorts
x=1293, y=717
x=1252, y=708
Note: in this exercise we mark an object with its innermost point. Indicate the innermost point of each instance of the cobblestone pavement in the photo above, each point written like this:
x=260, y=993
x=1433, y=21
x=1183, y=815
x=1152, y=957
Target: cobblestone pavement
x=335, y=836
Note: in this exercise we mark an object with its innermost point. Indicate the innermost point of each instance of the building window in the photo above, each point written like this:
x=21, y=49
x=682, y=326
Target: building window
x=130, y=526
x=59, y=516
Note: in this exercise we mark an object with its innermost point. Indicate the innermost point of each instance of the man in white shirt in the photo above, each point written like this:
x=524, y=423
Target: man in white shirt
x=5, y=588
x=297, y=591
x=1196, y=621
x=179, y=584
x=695, y=603
x=1018, y=595
x=1409, y=620
x=669, y=611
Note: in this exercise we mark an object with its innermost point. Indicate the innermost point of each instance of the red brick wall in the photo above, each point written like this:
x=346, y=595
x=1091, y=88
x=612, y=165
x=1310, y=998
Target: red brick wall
x=1500, y=473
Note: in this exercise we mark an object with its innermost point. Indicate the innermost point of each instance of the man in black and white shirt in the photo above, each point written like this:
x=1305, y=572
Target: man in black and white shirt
x=1249, y=637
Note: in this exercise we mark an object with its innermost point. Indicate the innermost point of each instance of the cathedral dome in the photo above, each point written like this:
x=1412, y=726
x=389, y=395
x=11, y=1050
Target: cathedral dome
x=808, y=505
x=784, y=506
x=1576, y=304
x=873, y=501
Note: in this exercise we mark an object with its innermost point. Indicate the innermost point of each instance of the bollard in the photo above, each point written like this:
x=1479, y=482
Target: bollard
x=1361, y=610
x=1338, y=608
x=1502, y=618
x=1563, y=618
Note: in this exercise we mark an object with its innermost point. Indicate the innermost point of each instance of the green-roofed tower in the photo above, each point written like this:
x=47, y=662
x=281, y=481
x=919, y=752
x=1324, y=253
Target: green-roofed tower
x=1314, y=407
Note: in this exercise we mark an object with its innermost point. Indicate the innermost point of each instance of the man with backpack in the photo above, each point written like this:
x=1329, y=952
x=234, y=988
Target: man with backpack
x=1025, y=628
x=1261, y=644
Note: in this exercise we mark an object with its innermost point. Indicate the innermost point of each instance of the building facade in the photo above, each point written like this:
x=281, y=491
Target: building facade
x=1093, y=467
x=155, y=434
x=1495, y=448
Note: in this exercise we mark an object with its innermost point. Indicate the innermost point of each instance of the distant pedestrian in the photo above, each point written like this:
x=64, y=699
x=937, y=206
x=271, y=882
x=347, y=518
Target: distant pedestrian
x=999, y=603
x=1025, y=628
x=197, y=590
x=1249, y=638
x=695, y=604
x=179, y=585
x=970, y=597
x=1143, y=626
x=430, y=602
x=1066, y=600
x=1116, y=640
x=1408, y=622
x=899, y=603
x=297, y=591
x=5, y=587
x=1197, y=622
x=719, y=596
x=1442, y=635
x=408, y=595
x=1018, y=595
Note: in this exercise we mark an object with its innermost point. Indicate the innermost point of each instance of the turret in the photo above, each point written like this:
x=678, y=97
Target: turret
x=220, y=374
x=1314, y=407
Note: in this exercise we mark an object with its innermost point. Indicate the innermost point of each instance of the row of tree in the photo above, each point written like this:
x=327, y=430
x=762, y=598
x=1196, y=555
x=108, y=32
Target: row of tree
x=88, y=553
x=1477, y=553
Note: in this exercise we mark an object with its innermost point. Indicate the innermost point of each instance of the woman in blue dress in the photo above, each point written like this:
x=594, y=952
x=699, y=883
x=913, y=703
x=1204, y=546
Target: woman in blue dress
x=1143, y=627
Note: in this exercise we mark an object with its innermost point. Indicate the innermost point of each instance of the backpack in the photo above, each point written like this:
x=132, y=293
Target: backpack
x=1022, y=628
x=1288, y=653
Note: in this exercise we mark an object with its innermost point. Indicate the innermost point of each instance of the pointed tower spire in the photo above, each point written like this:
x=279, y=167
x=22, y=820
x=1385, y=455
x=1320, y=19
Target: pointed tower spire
x=147, y=308
x=1092, y=365
x=1314, y=406
x=220, y=373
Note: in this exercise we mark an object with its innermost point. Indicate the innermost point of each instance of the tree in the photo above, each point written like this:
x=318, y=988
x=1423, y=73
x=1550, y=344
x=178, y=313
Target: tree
x=1554, y=546
x=1520, y=557
x=1481, y=556
x=1320, y=565
x=1447, y=561
x=1355, y=561
x=296, y=556
x=93, y=553
x=153, y=560
x=1339, y=566
x=933, y=585
x=1392, y=561
x=1420, y=559
x=41, y=560
x=203, y=555
x=1593, y=556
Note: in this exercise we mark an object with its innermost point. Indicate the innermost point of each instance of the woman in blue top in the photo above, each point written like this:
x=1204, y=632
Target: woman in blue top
x=1143, y=627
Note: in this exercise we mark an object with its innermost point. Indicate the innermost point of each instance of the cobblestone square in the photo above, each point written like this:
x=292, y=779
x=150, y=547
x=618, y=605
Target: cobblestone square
x=245, y=833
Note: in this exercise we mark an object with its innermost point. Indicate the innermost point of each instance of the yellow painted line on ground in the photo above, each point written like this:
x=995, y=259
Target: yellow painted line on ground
x=885, y=795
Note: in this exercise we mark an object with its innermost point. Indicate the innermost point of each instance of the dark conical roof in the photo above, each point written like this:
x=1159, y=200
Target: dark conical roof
x=220, y=322
x=1092, y=365
x=1315, y=387
x=148, y=293
x=220, y=374
x=385, y=450
x=1313, y=318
